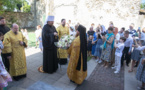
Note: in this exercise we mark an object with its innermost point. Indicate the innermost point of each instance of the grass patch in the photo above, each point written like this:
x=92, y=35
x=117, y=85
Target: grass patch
x=32, y=39
x=89, y=58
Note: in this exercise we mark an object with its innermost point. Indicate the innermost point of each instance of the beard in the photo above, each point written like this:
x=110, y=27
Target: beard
x=63, y=25
x=15, y=33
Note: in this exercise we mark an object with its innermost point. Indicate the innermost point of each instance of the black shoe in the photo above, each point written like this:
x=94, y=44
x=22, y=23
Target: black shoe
x=16, y=78
x=23, y=76
x=72, y=81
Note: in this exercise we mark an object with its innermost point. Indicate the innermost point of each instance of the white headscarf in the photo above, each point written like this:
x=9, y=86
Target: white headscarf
x=72, y=28
x=104, y=29
x=49, y=18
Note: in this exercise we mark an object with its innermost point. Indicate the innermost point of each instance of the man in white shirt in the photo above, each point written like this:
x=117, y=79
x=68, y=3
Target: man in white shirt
x=127, y=49
x=37, y=34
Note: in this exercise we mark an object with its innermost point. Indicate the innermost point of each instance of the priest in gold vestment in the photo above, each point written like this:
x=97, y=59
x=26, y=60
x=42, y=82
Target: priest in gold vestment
x=62, y=30
x=77, y=67
x=14, y=43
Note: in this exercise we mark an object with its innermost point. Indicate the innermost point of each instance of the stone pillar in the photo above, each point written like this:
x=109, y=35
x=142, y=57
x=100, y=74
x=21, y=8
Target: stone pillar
x=51, y=7
x=35, y=12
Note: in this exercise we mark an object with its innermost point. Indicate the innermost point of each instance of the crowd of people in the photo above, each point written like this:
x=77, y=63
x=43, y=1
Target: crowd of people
x=111, y=47
x=108, y=46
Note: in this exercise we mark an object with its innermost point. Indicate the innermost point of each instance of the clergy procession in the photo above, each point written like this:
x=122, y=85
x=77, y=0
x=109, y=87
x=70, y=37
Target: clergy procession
x=70, y=44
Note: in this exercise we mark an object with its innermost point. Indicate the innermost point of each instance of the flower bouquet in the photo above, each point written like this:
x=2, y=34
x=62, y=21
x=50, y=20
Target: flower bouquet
x=65, y=41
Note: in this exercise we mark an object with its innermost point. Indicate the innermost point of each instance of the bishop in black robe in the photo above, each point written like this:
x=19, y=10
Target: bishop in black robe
x=50, y=60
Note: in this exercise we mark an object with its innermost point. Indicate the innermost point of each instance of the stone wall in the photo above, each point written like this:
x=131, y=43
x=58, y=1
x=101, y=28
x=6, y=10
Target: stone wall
x=141, y=21
x=121, y=12
x=23, y=19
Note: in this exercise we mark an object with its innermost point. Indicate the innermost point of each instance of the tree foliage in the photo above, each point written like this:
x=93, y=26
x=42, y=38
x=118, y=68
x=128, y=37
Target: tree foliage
x=10, y=5
x=26, y=7
x=142, y=6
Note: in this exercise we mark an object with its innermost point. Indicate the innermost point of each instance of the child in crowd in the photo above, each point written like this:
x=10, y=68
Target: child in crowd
x=98, y=49
x=37, y=34
x=4, y=75
x=90, y=45
x=118, y=54
x=40, y=43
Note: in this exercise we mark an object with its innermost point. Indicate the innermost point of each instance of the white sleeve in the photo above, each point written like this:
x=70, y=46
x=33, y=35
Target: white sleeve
x=141, y=48
x=119, y=46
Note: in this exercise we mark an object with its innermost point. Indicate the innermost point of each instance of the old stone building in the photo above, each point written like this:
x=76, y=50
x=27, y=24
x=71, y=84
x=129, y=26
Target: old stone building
x=121, y=12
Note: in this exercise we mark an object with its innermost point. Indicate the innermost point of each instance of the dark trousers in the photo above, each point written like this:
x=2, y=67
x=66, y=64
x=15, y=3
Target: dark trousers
x=126, y=56
x=6, y=61
x=63, y=61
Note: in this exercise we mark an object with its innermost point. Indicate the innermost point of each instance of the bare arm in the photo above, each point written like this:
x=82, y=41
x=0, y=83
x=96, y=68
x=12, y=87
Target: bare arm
x=115, y=45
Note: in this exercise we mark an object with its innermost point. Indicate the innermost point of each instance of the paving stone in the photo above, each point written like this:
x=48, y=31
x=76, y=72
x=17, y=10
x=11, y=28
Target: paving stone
x=130, y=82
x=42, y=86
x=26, y=83
x=16, y=88
x=38, y=76
x=58, y=79
x=48, y=81
x=60, y=85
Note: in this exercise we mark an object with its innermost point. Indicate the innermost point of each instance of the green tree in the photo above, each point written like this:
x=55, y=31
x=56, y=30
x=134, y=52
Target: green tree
x=26, y=7
x=142, y=6
x=9, y=5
